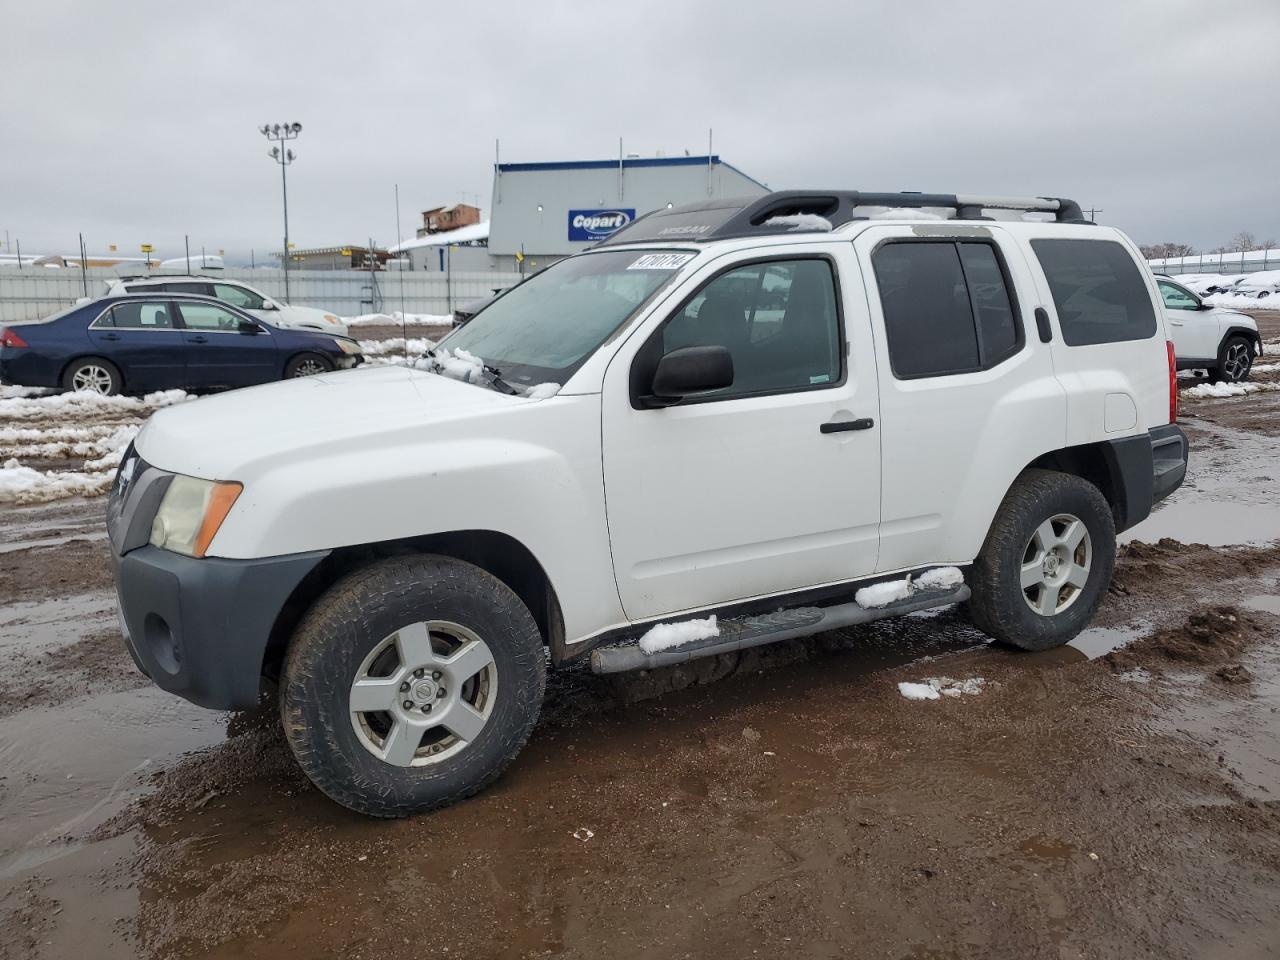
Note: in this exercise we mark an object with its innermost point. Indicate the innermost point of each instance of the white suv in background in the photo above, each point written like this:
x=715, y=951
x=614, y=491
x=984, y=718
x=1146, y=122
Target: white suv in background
x=727, y=425
x=275, y=312
x=1207, y=337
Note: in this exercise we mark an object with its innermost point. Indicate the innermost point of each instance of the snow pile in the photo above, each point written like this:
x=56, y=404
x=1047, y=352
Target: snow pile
x=85, y=404
x=891, y=591
x=542, y=391
x=1223, y=390
x=65, y=442
x=797, y=222
x=1243, y=301
x=458, y=364
x=906, y=213
x=9, y=392
x=19, y=484
x=664, y=636
x=934, y=688
x=379, y=348
x=398, y=319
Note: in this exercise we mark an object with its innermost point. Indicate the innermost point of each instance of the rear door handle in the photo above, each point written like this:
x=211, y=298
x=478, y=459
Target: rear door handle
x=199, y=339
x=843, y=426
x=111, y=336
x=1042, y=325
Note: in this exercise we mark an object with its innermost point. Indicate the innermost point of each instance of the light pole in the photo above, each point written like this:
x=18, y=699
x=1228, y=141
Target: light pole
x=282, y=132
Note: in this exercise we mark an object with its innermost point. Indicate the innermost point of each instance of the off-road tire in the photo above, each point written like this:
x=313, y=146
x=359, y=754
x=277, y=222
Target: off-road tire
x=295, y=365
x=998, y=606
x=101, y=363
x=350, y=620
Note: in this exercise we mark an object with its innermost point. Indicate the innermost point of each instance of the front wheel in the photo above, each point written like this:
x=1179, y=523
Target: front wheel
x=1046, y=563
x=307, y=365
x=1235, y=361
x=412, y=684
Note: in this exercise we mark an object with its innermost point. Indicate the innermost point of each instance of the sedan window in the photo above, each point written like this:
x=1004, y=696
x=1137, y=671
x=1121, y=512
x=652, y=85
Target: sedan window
x=141, y=316
x=208, y=316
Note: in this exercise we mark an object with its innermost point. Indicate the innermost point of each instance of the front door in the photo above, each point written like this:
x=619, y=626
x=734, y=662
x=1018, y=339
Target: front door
x=767, y=486
x=1195, y=331
x=219, y=353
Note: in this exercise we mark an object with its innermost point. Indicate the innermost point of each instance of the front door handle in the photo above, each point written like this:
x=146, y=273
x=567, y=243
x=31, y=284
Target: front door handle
x=199, y=340
x=111, y=336
x=843, y=426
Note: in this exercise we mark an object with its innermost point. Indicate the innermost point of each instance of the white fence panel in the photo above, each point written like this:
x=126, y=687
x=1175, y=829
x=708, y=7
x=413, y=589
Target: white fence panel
x=30, y=293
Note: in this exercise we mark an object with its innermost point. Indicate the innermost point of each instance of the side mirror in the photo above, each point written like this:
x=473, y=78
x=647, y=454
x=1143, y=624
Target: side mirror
x=1201, y=305
x=690, y=371
x=268, y=305
x=248, y=326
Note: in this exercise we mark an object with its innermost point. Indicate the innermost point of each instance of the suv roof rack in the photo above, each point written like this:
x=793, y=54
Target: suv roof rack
x=749, y=216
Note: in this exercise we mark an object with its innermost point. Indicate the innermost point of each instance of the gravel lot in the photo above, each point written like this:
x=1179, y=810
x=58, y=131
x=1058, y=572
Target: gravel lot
x=1116, y=798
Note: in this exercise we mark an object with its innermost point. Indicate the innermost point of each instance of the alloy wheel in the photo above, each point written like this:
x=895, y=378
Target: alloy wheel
x=92, y=378
x=1237, y=361
x=1056, y=564
x=423, y=693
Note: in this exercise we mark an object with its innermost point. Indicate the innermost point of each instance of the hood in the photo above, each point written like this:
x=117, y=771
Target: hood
x=291, y=314
x=1236, y=318
x=224, y=436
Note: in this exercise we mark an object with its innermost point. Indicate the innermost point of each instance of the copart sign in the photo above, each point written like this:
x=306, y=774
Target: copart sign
x=592, y=225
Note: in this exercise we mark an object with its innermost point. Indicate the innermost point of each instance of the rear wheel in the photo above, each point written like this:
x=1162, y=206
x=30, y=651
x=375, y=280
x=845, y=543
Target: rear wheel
x=412, y=684
x=1235, y=360
x=307, y=365
x=93, y=375
x=1046, y=563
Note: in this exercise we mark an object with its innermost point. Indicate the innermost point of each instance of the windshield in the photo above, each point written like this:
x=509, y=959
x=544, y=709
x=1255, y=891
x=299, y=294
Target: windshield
x=544, y=329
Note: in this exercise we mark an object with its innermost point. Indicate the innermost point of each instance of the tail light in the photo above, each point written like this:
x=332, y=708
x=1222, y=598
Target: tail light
x=1173, y=383
x=10, y=339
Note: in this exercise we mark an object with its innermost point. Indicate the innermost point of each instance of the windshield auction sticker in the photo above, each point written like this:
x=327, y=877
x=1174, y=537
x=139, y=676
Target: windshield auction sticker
x=662, y=261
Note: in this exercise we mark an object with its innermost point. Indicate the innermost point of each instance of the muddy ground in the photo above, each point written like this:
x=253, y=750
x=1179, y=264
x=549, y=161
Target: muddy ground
x=1117, y=798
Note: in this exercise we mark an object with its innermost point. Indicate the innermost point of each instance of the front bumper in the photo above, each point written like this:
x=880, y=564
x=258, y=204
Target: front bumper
x=198, y=627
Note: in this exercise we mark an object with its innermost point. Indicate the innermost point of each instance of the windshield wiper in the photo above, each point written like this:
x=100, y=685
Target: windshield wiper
x=495, y=378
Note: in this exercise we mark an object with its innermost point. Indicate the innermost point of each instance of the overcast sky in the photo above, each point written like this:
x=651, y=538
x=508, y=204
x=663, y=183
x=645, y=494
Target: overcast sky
x=137, y=122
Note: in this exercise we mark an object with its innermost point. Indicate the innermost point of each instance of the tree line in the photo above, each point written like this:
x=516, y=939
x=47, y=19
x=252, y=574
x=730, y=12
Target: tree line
x=1244, y=240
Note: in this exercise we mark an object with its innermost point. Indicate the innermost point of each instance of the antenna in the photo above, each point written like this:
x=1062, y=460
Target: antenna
x=619, y=169
x=708, y=161
x=497, y=170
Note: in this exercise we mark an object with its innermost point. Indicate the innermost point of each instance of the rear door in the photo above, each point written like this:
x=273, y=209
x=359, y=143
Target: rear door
x=218, y=353
x=142, y=339
x=1109, y=340
x=769, y=485
x=968, y=395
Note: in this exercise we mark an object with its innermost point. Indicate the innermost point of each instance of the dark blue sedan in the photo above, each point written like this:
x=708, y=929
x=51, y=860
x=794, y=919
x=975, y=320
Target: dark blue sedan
x=141, y=343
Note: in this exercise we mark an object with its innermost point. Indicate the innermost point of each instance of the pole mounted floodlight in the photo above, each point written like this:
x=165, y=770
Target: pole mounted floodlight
x=279, y=133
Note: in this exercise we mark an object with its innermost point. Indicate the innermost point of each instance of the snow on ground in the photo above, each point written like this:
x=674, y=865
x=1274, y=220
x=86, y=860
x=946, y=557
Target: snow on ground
x=664, y=636
x=396, y=345
x=9, y=392
x=1265, y=367
x=85, y=404
x=1223, y=390
x=934, y=688
x=397, y=319
x=68, y=427
x=891, y=591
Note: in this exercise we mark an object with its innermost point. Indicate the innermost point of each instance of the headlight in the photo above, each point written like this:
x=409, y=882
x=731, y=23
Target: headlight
x=331, y=318
x=347, y=346
x=191, y=513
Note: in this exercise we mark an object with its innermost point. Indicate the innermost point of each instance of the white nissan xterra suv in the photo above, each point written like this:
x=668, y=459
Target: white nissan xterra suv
x=729, y=424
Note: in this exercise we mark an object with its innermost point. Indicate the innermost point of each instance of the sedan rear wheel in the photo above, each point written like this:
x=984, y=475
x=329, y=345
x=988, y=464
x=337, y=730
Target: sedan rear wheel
x=93, y=375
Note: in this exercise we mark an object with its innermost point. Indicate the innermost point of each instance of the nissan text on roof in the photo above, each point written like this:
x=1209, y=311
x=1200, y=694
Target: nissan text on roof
x=726, y=425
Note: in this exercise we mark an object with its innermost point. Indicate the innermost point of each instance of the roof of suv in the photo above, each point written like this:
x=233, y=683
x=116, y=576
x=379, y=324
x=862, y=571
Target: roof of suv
x=170, y=277
x=792, y=211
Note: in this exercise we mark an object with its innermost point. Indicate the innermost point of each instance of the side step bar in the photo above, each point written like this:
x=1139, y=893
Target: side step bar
x=746, y=632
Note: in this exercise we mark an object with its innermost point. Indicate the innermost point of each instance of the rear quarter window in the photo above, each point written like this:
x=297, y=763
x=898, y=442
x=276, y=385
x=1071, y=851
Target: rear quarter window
x=1098, y=291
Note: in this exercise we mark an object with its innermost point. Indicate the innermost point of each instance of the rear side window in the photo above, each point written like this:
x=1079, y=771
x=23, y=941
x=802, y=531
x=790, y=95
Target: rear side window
x=141, y=316
x=1098, y=291
x=947, y=307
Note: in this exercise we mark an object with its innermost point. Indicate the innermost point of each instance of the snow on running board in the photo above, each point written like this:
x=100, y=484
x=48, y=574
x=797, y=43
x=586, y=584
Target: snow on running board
x=891, y=591
x=664, y=636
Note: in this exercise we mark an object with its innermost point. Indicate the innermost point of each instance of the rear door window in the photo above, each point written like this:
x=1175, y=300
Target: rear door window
x=143, y=315
x=1098, y=291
